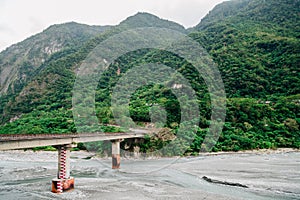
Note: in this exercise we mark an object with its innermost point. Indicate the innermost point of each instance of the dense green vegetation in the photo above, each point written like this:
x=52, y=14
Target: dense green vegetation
x=256, y=45
x=250, y=124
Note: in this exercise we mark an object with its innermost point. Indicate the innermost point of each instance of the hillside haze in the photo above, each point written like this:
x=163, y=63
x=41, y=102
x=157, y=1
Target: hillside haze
x=256, y=45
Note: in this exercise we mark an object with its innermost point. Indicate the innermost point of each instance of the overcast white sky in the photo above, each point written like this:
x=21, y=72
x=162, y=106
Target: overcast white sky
x=20, y=19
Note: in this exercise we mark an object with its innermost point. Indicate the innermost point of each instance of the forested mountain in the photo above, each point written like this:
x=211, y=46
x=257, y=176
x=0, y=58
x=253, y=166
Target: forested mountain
x=52, y=81
x=148, y=20
x=255, y=44
x=281, y=14
x=20, y=61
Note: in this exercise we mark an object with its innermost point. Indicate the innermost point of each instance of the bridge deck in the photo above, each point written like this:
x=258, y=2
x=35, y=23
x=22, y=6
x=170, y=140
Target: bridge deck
x=22, y=141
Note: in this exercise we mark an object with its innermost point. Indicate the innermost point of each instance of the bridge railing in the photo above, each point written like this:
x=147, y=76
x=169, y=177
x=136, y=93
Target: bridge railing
x=9, y=137
x=16, y=137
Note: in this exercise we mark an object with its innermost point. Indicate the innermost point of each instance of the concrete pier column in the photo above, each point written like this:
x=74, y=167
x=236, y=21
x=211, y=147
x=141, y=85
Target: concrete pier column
x=115, y=153
x=63, y=182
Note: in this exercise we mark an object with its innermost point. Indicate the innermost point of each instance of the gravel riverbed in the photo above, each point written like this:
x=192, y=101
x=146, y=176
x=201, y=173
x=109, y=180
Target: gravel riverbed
x=266, y=175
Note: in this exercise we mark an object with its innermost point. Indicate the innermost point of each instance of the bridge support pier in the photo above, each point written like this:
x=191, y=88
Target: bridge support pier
x=63, y=182
x=115, y=153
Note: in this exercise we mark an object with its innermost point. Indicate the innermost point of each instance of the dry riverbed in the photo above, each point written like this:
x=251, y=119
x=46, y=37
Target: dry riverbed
x=265, y=174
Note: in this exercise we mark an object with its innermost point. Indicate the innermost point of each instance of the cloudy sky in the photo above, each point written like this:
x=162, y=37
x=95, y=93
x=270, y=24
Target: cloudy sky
x=20, y=19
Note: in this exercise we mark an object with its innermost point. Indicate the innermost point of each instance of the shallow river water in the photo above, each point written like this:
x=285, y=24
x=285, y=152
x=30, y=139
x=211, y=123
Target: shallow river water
x=276, y=175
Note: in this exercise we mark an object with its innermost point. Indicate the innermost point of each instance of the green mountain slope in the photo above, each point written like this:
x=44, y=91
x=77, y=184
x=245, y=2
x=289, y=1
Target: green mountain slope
x=282, y=14
x=254, y=43
x=19, y=62
x=148, y=20
x=53, y=81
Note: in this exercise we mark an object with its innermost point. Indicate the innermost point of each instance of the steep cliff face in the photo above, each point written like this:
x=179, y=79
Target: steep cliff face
x=18, y=62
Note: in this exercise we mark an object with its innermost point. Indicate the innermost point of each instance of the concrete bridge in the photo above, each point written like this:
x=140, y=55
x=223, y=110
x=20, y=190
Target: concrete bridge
x=63, y=143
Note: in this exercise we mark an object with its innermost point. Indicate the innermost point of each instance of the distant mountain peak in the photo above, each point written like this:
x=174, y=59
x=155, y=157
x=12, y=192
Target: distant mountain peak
x=144, y=19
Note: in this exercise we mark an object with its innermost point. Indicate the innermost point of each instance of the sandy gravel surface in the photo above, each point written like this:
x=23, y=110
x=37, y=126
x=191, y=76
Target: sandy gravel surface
x=267, y=175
